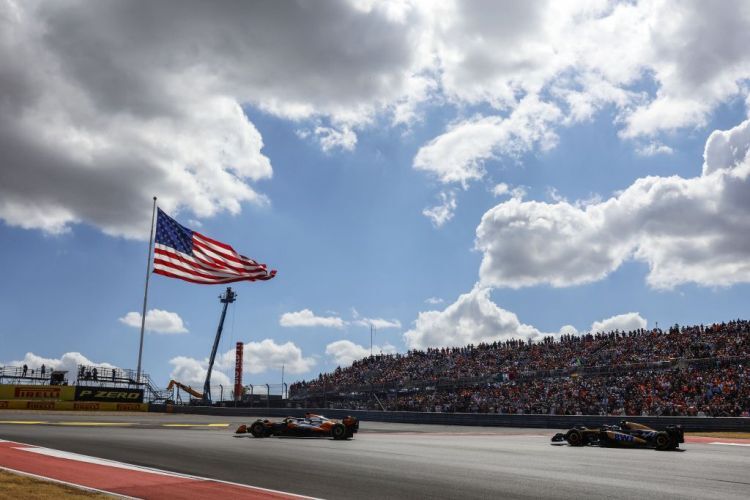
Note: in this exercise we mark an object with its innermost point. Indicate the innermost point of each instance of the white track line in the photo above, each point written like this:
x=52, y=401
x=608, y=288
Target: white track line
x=730, y=444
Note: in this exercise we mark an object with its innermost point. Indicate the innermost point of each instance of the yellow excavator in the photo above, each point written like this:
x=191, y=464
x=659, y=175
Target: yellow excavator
x=186, y=388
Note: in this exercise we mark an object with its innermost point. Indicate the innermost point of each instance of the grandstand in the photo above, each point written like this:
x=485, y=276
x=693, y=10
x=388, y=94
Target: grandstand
x=695, y=370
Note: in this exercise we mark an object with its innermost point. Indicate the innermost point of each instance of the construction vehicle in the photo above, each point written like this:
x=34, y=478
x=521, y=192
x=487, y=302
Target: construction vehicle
x=180, y=386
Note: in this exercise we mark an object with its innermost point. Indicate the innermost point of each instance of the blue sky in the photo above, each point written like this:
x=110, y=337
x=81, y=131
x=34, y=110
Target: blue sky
x=433, y=185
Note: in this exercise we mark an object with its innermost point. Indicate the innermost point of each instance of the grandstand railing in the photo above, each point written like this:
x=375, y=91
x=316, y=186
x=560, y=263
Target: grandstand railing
x=119, y=377
x=30, y=376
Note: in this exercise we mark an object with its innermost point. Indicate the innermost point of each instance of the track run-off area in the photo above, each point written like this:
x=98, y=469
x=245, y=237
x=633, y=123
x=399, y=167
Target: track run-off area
x=191, y=456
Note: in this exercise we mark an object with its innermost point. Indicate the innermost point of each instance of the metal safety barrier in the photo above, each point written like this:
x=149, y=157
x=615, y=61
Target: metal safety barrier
x=472, y=419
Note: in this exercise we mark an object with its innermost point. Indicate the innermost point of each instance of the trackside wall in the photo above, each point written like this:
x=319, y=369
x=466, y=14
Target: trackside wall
x=473, y=419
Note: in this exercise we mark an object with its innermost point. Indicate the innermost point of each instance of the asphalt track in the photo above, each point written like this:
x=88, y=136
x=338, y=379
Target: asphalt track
x=392, y=460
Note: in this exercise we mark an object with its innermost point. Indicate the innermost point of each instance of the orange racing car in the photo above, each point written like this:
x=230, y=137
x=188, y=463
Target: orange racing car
x=310, y=425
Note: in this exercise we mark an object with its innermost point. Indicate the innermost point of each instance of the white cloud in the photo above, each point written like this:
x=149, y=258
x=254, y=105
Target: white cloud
x=501, y=189
x=306, y=317
x=378, y=323
x=157, y=321
x=345, y=352
x=258, y=357
x=458, y=155
x=68, y=362
x=572, y=59
x=331, y=138
x=443, y=212
x=191, y=372
x=117, y=107
x=433, y=300
x=686, y=230
x=267, y=355
x=472, y=319
x=568, y=330
x=622, y=322
x=125, y=101
x=653, y=149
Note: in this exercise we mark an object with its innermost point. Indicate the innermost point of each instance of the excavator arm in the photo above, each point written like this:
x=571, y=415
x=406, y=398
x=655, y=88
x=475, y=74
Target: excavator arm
x=186, y=388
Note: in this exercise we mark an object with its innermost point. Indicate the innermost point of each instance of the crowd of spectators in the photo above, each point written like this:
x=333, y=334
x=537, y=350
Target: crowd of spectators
x=599, y=373
x=717, y=392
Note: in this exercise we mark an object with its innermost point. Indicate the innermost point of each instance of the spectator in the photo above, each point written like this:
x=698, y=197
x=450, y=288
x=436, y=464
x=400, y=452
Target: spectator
x=683, y=371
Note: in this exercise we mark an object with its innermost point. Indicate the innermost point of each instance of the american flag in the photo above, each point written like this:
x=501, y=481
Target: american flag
x=188, y=255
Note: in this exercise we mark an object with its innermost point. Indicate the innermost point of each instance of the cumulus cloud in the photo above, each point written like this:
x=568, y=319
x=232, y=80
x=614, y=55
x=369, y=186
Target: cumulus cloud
x=471, y=319
x=191, y=372
x=622, y=322
x=68, y=362
x=331, y=138
x=433, y=300
x=653, y=149
x=258, y=357
x=443, y=212
x=687, y=230
x=126, y=101
x=157, y=321
x=458, y=155
x=306, y=317
x=501, y=189
x=345, y=352
x=569, y=61
x=267, y=355
x=568, y=330
x=378, y=323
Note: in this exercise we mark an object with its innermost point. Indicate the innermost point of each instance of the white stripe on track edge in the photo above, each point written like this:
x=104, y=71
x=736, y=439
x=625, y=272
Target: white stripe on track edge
x=153, y=470
x=730, y=444
x=66, y=483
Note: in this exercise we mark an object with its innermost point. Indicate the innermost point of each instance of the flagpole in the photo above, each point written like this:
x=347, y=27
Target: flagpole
x=145, y=292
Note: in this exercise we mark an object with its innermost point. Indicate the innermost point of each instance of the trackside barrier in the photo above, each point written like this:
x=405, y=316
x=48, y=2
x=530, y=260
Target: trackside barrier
x=16, y=404
x=49, y=393
x=38, y=392
x=474, y=419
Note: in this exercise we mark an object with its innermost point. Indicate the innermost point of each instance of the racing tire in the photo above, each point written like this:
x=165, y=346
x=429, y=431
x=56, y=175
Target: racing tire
x=662, y=441
x=338, y=431
x=574, y=437
x=258, y=430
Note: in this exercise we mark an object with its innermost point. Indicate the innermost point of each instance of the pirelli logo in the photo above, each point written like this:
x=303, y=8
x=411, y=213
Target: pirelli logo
x=129, y=407
x=40, y=405
x=109, y=395
x=86, y=406
x=37, y=393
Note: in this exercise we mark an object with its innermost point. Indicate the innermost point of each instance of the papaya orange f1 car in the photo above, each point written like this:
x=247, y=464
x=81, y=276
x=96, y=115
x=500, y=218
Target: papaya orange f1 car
x=310, y=425
x=625, y=434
